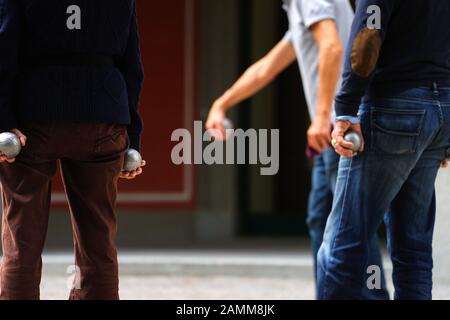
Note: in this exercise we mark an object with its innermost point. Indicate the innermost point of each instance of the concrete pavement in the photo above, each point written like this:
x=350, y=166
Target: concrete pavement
x=204, y=274
x=193, y=275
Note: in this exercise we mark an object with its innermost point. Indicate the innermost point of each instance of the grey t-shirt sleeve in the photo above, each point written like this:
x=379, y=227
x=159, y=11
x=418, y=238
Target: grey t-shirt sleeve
x=288, y=36
x=314, y=11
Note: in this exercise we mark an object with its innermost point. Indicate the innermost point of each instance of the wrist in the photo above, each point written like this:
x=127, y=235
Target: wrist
x=323, y=116
x=323, y=110
x=220, y=105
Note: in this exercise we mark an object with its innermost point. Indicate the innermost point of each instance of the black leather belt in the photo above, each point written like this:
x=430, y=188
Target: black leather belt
x=72, y=60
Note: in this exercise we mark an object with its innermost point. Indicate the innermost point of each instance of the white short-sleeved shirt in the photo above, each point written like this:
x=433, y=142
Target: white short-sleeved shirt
x=303, y=14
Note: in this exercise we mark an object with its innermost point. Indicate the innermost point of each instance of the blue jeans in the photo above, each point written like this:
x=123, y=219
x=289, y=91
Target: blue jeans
x=320, y=203
x=407, y=137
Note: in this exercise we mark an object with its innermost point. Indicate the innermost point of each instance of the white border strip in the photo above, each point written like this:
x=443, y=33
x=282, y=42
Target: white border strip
x=187, y=193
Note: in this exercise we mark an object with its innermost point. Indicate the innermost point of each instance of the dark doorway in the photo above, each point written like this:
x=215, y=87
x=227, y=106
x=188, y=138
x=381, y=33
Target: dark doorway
x=274, y=206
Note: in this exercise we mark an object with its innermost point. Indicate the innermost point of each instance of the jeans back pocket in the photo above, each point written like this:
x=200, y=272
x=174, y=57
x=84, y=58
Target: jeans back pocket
x=396, y=132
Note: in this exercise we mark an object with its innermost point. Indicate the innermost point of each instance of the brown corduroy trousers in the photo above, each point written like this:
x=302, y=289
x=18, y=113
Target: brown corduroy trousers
x=91, y=157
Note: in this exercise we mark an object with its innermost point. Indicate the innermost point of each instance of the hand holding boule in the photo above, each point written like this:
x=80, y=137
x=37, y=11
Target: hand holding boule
x=355, y=139
x=133, y=165
x=133, y=160
x=11, y=144
x=343, y=147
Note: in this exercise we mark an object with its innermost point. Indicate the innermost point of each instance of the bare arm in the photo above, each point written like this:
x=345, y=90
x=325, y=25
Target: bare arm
x=258, y=76
x=330, y=58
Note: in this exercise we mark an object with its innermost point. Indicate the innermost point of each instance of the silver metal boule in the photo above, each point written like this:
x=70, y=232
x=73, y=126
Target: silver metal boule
x=227, y=124
x=133, y=160
x=10, y=145
x=354, y=138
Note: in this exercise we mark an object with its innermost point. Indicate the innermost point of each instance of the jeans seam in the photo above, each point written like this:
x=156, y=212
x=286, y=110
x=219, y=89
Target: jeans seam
x=397, y=133
x=366, y=255
x=441, y=114
x=402, y=99
x=339, y=226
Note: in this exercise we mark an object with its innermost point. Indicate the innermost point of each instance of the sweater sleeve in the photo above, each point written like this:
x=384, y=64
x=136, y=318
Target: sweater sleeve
x=130, y=65
x=10, y=27
x=368, y=33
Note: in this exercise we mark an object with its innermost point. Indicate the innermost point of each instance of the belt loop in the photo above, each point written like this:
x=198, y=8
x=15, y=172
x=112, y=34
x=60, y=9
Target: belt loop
x=435, y=88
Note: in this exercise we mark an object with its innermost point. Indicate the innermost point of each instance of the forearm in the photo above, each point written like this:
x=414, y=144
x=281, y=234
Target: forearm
x=258, y=76
x=250, y=83
x=330, y=60
x=330, y=55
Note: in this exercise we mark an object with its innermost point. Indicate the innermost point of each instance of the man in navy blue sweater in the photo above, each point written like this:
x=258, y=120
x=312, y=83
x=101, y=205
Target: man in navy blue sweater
x=396, y=93
x=70, y=81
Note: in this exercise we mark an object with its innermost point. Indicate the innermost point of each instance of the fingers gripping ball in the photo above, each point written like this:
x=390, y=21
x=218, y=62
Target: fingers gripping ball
x=10, y=145
x=133, y=160
x=354, y=138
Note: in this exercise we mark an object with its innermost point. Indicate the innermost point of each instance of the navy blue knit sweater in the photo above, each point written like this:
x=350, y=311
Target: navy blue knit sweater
x=408, y=46
x=34, y=29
